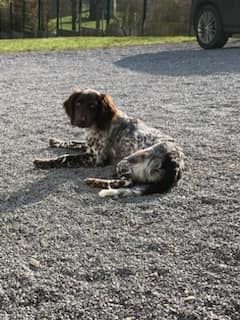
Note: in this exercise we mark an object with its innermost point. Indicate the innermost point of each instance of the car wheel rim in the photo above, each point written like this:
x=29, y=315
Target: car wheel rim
x=207, y=27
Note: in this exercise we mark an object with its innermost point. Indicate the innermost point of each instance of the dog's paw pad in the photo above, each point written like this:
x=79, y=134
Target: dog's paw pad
x=53, y=142
x=40, y=163
x=89, y=181
x=36, y=163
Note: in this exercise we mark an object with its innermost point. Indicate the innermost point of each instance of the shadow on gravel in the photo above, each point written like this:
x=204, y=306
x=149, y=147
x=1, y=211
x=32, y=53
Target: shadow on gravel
x=50, y=184
x=187, y=62
x=35, y=191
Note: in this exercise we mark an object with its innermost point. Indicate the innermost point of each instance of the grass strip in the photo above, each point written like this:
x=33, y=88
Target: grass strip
x=83, y=43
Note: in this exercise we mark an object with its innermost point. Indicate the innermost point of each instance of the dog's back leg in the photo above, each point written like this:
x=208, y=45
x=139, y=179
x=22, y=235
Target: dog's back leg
x=108, y=183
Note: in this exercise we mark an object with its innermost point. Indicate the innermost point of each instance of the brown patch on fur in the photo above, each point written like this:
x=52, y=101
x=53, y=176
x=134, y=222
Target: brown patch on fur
x=104, y=183
x=107, y=112
x=69, y=104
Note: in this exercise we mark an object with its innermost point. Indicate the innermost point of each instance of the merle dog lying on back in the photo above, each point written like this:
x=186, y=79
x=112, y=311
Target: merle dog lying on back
x=147, y=160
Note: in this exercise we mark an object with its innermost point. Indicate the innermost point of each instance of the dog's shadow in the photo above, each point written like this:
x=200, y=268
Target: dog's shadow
x=49, y=182
x=53, y=182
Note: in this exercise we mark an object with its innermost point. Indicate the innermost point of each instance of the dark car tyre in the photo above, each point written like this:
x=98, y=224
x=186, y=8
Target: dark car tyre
x=209, y=28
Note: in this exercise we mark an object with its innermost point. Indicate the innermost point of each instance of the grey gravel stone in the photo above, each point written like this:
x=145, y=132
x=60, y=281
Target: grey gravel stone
x=170, y=257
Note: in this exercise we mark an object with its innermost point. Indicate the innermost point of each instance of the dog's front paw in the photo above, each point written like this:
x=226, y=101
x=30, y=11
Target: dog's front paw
x=54, y=143
x=91, y=182
x=41, y=164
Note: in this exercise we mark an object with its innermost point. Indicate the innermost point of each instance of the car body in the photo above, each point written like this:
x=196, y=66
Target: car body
x=214, y=21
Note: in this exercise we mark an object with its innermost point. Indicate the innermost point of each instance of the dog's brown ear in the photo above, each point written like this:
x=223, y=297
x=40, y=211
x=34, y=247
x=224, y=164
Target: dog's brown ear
x=106, y=112
x=69, y=103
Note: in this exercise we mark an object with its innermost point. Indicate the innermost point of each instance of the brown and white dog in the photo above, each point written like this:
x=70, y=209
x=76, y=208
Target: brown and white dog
x=146, y=160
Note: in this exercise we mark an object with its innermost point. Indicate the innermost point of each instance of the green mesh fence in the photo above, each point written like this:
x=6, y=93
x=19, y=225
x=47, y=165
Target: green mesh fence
x=93, y=17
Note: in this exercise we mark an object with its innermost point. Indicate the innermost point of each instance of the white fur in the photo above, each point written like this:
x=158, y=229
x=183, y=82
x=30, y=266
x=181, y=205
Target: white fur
x=108, y=193
x=86, y=91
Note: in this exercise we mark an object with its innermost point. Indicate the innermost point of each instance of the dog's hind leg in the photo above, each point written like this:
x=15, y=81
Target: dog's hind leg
x=108, y=183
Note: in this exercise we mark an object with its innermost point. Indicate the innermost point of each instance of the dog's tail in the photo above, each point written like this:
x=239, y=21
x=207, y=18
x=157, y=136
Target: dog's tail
x=172, y=168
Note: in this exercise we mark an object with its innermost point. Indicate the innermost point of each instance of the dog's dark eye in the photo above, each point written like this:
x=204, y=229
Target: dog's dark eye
x=92, y=106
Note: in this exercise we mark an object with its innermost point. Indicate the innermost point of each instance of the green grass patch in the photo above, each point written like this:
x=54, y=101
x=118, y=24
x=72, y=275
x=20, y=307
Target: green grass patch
x=83, y=43
x=65, y=23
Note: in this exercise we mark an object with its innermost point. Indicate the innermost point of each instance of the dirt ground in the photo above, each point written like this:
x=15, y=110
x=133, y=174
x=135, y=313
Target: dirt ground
x=68, y=254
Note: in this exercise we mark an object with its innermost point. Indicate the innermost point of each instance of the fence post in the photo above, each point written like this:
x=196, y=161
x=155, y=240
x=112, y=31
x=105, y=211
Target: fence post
x=39, y=16
x=23, y=16
x=58, y=15
x=108, y=14
x=11, y=17
x=144, y=16
x=98, y=16
x=74, y=14
x=79, y=15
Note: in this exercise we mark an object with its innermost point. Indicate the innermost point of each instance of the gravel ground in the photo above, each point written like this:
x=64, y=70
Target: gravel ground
x=68, y=254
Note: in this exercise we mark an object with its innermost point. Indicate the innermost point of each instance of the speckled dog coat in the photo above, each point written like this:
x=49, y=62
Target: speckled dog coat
x=146, y=160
